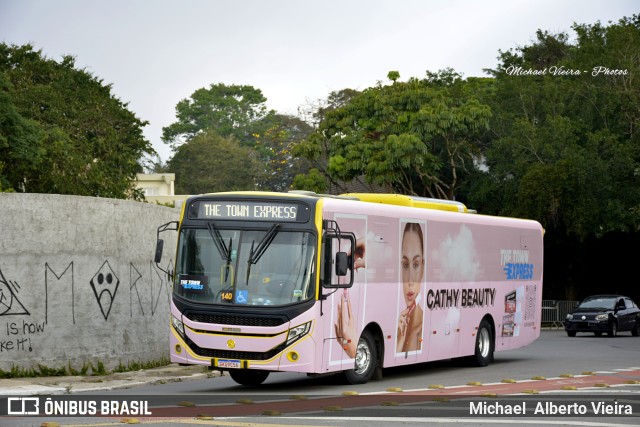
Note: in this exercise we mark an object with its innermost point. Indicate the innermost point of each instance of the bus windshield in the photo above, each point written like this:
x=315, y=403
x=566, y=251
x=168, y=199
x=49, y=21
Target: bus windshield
x=245, y=267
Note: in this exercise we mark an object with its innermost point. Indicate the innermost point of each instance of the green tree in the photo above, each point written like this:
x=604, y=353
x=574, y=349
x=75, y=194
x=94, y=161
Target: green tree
x=316, y=147
x=566, y=151
x=229, y=110
x=313, y=180
x=274, y=138
x=417, y=137
x=567, y=147
x=154, y=164
x=210, y=163
x=240, y=112
x=62, y=131
x=21, y=142
x=314, y=112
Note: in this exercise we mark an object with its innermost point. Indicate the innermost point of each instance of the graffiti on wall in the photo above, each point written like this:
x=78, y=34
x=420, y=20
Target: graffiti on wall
x=9, y=302
x=105, y=286
x=60, y=284
x=10, y=305
x=159, y=285
x=58, y=277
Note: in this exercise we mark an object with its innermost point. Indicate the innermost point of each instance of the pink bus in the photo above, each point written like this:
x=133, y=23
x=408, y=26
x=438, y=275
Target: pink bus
x=351, y=284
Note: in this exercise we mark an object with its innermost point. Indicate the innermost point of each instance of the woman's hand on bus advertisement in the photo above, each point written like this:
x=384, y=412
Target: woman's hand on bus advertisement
x=403, y=322
x=358, y=262
x=346, y=327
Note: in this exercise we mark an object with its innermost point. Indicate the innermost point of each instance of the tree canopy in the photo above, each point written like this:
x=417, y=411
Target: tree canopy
x=274, y=138
x=552, y=134
x=62, y=131
x=210, y=163
x=566, y=149
x=230, y=110
x=415, y=137
x=238, y=112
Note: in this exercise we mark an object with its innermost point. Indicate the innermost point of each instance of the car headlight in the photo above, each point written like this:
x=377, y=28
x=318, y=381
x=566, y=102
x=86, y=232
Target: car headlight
x=602, y=317
x=569, y=317
x=177, y=325
x=298, y=332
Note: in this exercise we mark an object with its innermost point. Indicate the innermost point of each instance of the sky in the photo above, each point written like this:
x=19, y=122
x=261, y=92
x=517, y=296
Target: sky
x=155, y=53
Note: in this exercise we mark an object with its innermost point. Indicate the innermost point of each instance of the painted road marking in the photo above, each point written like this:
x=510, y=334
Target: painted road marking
x=582, y=383
x=415, y=396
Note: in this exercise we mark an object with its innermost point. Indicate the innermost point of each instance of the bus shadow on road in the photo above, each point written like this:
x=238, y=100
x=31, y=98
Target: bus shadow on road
x=290, y=383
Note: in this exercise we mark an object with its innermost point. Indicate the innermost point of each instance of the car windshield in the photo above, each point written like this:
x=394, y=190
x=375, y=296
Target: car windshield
x=251, y=267
x=599, y=302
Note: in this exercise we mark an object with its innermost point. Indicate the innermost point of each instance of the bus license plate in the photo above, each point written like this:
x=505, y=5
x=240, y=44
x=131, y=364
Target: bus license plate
x=229, y=363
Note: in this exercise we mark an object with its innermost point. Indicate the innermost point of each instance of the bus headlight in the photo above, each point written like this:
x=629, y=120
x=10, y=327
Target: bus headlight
x=298, y=332
x=177, y=325
x=602, y=317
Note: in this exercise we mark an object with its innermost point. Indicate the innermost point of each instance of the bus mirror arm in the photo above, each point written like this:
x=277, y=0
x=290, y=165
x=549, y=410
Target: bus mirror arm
x=172, y=225
x=324, y=297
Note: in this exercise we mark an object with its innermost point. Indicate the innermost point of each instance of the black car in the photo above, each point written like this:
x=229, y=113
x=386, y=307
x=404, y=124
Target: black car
x=604, y=313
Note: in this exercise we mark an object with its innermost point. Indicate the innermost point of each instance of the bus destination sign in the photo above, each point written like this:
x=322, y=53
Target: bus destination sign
x=251, y=211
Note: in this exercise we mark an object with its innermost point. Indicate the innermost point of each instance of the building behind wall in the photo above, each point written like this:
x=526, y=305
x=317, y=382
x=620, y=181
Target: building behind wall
x=159, y=188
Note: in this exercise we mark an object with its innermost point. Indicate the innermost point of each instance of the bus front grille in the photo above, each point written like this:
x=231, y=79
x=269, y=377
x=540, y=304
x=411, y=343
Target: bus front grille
x=232, y=354
x=234, y=319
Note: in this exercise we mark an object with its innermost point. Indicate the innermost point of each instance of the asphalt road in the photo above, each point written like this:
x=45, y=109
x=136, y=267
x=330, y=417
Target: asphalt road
x=567, y=373
x=552, y=355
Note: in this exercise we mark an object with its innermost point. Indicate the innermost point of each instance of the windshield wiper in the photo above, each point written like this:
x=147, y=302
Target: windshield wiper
x=256, y=254
x=225, y=251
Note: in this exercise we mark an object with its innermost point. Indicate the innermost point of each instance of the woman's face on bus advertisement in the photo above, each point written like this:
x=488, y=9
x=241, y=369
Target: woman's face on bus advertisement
x=412, y=266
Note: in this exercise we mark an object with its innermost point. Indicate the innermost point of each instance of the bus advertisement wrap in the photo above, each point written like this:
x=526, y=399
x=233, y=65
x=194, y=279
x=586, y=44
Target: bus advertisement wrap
x=328, y=284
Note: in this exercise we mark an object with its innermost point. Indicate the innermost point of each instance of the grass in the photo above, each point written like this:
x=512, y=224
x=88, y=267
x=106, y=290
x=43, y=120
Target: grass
x=87, y=369
x=136, y=366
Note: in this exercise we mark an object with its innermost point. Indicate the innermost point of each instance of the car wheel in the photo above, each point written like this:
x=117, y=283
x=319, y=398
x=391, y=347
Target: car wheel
x=636, y=330
x=571, y=333
x=613, y=329
x=248, y=376
x=366, y=360
x=598, y=334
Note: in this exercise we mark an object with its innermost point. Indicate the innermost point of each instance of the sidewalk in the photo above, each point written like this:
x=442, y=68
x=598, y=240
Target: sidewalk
x=120, y=380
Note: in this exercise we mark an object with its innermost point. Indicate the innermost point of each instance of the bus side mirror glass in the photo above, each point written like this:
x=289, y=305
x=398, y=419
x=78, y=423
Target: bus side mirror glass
x=159, y=246
x=342, y=264
x=336, y=270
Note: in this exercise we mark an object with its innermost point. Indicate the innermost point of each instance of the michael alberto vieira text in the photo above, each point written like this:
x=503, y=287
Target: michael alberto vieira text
x=549, y=408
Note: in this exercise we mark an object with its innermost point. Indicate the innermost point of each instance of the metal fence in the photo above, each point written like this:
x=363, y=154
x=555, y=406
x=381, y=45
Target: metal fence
x=554, y=311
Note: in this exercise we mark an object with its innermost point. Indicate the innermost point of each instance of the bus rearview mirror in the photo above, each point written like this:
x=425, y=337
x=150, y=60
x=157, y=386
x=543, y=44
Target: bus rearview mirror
x=342, y=264
x=159, y=246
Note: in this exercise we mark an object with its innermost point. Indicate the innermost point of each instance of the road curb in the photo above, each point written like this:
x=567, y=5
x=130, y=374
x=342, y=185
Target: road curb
x=123, y=380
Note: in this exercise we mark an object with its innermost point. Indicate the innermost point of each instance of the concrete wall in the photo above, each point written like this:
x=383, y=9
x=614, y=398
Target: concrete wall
x=77, y=281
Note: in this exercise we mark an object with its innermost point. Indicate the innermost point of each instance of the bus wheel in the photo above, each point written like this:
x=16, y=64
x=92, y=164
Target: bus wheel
x=484, y=345
x=366, y=360
x=248, y=376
